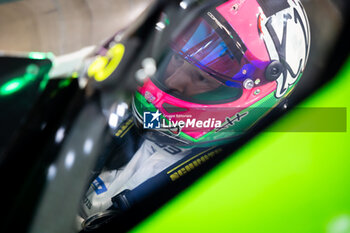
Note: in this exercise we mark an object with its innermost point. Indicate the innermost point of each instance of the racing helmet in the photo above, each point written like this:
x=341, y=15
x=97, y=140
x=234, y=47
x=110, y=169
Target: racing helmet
x=225, y=71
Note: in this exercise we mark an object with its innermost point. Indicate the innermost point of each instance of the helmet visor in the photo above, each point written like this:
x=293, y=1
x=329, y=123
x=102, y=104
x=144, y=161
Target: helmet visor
x=202, y=68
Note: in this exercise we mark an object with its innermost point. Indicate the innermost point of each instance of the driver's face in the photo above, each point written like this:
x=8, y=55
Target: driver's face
x=186, y=79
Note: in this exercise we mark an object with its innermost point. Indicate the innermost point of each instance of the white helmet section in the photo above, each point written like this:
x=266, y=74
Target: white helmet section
x=288, y=44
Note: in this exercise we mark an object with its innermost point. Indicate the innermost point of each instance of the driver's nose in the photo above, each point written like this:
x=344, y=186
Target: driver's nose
x=180, y=81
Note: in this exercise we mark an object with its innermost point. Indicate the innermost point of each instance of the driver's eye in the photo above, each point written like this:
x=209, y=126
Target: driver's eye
x=178, y=60
x=201, y=78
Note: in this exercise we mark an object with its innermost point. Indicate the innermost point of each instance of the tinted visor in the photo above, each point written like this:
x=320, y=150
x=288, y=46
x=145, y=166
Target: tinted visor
x=202, y=67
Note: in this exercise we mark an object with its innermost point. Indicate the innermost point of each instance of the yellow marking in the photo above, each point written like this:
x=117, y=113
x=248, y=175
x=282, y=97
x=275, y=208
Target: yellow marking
x=104, y=66
x=124, y=127
x=130, y=126
x=189, y=160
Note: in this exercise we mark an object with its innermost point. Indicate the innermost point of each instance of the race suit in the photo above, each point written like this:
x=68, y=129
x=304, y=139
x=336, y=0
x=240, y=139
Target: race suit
x=136, y=165
x=148, y=161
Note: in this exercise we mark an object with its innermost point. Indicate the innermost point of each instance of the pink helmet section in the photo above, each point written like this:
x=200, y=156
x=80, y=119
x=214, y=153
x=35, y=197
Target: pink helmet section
x=242, y=15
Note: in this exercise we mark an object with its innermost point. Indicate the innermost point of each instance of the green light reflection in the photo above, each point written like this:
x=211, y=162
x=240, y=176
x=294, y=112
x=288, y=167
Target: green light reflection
x=17, y=83
x=12, y=86
x=37, y=55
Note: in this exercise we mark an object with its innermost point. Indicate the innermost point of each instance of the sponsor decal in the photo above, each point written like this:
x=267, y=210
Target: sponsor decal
x=149, y=97
x=87, y=203
x=99, y=186
x=231, y=122
x=192, y=163
x=124, y=128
